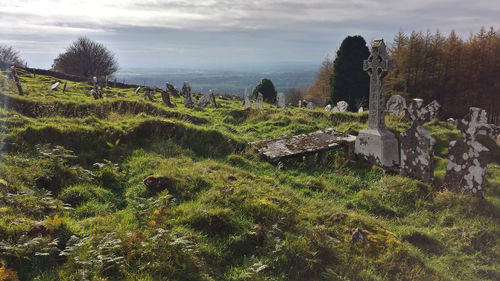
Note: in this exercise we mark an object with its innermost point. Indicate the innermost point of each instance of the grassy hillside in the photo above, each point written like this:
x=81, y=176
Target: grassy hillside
x=127, y=189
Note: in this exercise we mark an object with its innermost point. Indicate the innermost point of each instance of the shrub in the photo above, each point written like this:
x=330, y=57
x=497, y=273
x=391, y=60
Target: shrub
x=266, y=88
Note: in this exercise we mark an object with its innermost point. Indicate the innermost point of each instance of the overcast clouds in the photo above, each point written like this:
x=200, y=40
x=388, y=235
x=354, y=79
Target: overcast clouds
x=222, y=32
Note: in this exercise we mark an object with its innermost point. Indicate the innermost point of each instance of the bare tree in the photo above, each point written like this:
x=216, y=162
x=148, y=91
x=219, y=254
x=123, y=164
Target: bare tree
x=9, y=57
x=87, y=58
x=319, y=92
x=293, y=95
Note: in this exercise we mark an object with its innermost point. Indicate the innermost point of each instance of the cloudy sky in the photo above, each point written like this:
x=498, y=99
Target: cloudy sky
x=193, y=33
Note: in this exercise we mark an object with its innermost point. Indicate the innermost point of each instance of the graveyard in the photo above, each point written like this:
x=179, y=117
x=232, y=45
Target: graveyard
x=100, y=181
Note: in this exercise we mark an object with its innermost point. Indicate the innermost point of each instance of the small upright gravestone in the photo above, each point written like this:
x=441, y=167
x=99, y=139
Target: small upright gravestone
x=248, y=103
x=137, y=90
x=187, y=95
x=212, y=98
x=467, y=158
x=417, y=146
x=165, y=97
x=310, y=105
x=16, y=79
x=328, y=107
x=300, y=103
x=396, y=105
x=65, y=84
x=259, y=103
x=280, y=100
x=375, y=143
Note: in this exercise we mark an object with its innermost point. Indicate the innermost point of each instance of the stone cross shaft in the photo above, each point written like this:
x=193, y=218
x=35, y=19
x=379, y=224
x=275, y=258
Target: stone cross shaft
x=377, y=65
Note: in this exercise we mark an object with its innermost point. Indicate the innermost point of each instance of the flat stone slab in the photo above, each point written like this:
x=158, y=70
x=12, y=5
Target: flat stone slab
x=304, y=144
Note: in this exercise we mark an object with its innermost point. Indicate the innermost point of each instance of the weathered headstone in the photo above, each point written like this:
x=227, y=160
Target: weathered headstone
x=55, y=86
x=65, y=84
x=96, y=93
x=16, y=79
x=450, y=121
x=172, y=90
x=375, y=143
x=310, y=105
x=259, y=103
x=328, y=107
x=187, y=95
x=114, y=83
x=342, y=106
x=467, y=158
x=396, y=105
x=433, y=108
x=248, y=103
x=361, y=109
x=212, y=98
x=280, y=100
x=165, y=97
x=300, y=103
x=137, y=90
x=417, y=146
x=203, y=101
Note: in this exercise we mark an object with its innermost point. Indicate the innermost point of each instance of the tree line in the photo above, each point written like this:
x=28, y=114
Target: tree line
x=457, y=73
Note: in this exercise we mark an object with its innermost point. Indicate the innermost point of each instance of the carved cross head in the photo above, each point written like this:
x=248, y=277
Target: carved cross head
x=378, y=62
x=473, y=122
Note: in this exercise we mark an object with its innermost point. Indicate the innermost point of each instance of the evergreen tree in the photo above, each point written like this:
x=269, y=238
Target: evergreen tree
x=266, y=87
x=349, y=82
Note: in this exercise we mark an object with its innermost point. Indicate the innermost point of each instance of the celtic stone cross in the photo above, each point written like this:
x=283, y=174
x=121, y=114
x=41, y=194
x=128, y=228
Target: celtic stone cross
x=377, y=65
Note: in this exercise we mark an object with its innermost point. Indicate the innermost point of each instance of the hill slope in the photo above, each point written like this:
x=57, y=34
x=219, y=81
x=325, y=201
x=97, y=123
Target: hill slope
x=128, y=189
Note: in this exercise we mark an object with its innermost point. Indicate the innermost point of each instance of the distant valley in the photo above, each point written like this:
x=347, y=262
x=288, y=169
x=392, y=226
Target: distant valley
x=221, y=81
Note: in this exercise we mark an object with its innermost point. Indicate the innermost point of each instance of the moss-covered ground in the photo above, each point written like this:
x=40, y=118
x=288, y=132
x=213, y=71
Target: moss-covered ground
x=128, y=189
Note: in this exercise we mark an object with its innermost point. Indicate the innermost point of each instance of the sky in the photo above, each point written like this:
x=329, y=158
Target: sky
x=226, y=33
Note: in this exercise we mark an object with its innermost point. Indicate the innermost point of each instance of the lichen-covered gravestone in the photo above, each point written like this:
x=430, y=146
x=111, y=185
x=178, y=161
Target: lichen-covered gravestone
x=55, y=86
x=342, y=106
x=467, y=158
x=137, y=90
x=280, y=100
x=375, y=143
x=259, y=103
x=328, y=107
x=396, y=105
x=417, y=146
x=187, y=95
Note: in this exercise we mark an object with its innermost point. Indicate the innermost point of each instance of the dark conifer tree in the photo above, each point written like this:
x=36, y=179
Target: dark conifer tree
x=349, y=82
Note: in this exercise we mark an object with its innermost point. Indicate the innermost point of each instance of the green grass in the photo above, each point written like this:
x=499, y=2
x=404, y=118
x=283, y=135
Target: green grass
x=75, y=201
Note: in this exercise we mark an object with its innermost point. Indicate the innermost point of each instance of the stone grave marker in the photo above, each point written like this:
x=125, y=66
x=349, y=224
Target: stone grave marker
x=300, y=103
x=248, y=103
x=259, y=103
x=467, y=158
x=375, y=143
x=361, y=109
x=137, y=90
x=165, y=97
x=172, y=90
x=342, y=106
x=417, y=146
x=65, y=84
x=55, y=86
x=187, y=95
x=203, y=101
x=280, y=100
x=433, y=108
x=16, y=79
x=310, y=105
x=212, y=98
x=396, y=105
x=328, y=107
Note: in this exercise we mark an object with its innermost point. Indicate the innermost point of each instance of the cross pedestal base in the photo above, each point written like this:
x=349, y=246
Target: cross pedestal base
x=379, y=146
